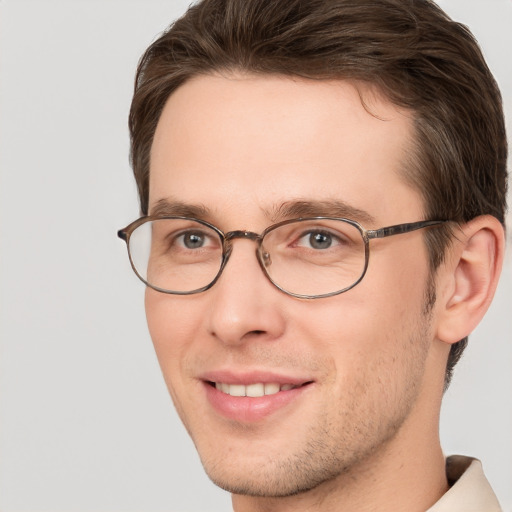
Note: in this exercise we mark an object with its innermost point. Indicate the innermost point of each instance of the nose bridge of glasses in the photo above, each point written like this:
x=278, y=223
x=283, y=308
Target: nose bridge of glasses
x=262, y=256
x=247, y=235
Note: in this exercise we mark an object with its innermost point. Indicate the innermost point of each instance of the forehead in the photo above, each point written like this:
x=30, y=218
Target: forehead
x=240, y=141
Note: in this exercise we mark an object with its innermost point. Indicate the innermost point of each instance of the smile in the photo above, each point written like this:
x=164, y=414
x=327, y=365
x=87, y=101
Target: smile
x=252, y=396
x=255, y=390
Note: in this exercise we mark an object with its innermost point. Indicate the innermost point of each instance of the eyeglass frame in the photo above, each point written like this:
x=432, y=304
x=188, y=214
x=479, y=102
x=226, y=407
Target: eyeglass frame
x=227, y=246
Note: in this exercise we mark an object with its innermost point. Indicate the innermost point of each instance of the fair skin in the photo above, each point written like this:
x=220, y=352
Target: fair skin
x=359, y=431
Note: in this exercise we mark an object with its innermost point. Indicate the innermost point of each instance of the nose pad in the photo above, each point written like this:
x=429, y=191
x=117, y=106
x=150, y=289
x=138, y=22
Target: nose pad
x=265, y=258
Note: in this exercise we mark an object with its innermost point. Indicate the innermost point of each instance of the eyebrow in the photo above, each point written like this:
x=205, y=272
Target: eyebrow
x=287, y=210
x=175, y=208
x=326, y=208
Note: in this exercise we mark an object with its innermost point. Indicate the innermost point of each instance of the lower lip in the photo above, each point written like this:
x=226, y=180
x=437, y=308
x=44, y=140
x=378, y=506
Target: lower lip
x=247, y=409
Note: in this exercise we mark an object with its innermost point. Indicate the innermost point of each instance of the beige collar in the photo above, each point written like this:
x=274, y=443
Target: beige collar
x=469, y=489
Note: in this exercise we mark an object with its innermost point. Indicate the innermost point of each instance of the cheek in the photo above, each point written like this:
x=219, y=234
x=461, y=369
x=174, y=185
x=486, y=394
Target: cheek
x=395, y=285
x=371, y=323
x=172, y=325
x=377, y=345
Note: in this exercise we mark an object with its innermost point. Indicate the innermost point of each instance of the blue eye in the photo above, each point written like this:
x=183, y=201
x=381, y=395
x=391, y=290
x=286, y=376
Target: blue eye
x=320, y=240
x=193, y=240
x=317, y=240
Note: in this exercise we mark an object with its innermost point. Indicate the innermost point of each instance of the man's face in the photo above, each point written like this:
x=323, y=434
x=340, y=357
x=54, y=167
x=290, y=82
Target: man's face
x=235, y=150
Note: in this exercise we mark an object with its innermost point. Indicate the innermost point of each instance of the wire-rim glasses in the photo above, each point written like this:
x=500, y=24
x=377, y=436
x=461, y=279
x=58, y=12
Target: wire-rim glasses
x=311, y=257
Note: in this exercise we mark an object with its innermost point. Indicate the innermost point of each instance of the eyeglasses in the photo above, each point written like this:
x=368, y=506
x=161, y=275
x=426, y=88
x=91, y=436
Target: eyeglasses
x=307, y=258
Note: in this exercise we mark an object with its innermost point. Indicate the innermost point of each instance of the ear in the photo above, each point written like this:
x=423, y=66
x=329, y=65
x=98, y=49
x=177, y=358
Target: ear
x=469, y=277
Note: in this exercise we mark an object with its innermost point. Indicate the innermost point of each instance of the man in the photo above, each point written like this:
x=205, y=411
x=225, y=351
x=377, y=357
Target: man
x=323, y=190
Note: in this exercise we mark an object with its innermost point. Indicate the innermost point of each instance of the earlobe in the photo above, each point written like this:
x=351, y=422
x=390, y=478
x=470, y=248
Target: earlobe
x=472, y=270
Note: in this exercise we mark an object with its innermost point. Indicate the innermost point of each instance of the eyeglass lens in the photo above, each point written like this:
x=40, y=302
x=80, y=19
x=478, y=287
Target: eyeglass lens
x=307, y=257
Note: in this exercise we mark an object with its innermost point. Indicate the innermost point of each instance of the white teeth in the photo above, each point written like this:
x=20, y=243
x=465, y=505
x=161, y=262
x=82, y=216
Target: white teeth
x=255, y=390
x=221, y=386
x=237, y=390
x=271, y=389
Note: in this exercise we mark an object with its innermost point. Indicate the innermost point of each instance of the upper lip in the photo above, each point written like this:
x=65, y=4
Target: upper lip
x=251, y=377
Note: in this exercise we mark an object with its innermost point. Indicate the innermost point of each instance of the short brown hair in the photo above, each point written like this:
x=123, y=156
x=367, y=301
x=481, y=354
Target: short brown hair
x=409, y=49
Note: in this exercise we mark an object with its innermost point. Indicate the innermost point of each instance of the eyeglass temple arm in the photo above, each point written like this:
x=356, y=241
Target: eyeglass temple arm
x=402, y=228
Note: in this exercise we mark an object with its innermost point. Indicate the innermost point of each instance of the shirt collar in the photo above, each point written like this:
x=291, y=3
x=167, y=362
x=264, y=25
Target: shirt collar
x=469, y=489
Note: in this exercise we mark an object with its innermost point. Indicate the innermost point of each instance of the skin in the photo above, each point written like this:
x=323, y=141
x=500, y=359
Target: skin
x=364, y=434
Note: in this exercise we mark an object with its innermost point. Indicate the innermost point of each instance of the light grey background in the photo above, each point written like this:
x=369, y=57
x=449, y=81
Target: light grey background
x=85, y=420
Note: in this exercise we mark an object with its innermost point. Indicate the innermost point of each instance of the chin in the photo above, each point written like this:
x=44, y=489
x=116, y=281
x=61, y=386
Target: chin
x=275, y=477
x=268, y=487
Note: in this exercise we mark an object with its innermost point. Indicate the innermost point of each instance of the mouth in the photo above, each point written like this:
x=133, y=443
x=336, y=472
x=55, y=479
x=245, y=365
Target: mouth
x=252, y=402
x=252, y=396
x=255, y=390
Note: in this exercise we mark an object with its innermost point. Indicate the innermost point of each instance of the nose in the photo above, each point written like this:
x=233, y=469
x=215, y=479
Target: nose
x=244, y=305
